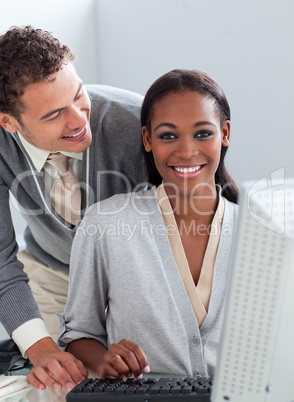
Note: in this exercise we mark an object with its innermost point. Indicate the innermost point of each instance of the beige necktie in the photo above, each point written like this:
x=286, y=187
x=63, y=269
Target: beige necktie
x=65, y=194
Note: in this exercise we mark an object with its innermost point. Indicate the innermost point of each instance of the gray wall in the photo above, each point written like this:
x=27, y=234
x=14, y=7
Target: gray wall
x=72, y=21
x=246, y=45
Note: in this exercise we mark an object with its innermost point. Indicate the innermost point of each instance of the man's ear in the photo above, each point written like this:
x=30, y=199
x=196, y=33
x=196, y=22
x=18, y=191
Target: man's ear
x=146, y=139
x=9, y=123
x=226, y=132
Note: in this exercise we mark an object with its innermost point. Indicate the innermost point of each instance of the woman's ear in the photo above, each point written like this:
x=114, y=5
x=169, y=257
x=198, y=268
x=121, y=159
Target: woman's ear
x=146, y=139
x=226, y=132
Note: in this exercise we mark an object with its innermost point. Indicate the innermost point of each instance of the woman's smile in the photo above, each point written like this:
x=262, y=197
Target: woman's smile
x=187, y=171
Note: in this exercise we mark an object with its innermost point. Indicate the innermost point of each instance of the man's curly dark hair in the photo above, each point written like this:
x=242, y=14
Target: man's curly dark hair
x=27, y=56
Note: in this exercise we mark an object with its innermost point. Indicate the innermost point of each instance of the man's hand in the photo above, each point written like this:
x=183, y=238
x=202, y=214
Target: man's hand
x=52, y=367
x=125, y=358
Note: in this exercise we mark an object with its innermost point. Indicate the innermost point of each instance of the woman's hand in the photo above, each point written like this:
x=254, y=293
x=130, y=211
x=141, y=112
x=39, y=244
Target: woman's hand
x=125, y=358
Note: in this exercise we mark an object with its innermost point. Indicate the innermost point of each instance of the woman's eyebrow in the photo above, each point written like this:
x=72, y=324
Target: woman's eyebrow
x=204, y=123
x=171, y=125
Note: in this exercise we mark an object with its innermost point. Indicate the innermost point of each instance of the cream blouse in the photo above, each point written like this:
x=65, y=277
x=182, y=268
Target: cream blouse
x=199, y=295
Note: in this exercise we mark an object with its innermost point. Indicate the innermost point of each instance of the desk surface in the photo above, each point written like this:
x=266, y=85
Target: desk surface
x=33, y=395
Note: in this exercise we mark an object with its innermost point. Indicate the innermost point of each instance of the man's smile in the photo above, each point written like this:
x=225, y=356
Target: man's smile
x=76, y=137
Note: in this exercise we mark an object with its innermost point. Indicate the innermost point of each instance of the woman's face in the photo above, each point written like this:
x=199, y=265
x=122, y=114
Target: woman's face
x=186, y=140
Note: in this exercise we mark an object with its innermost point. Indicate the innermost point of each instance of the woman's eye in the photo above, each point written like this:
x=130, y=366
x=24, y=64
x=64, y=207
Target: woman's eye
x=203, y=134
x=167, y=136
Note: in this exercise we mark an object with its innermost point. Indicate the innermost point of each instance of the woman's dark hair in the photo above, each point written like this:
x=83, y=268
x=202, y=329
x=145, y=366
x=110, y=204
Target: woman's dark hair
x=181, y=81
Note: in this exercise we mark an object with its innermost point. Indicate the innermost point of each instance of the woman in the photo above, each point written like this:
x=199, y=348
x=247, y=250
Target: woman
x=149, y=269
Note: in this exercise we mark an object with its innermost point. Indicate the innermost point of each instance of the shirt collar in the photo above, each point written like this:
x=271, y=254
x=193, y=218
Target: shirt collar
x=39, y=156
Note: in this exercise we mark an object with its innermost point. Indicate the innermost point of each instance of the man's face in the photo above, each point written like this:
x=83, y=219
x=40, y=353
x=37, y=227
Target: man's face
x=56, y=116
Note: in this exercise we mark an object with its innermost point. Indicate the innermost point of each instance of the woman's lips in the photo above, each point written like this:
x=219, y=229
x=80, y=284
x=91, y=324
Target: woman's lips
x=187, y=171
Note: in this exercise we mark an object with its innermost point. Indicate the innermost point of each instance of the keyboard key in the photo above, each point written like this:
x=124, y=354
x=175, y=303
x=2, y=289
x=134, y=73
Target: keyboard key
x=187, y=389
x=143, y=389
x=176, y=390
x=154, y=390
x=120, y=390
x=79, y=388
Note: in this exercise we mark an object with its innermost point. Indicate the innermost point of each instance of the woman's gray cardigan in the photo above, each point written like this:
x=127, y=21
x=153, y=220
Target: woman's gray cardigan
x=122, y=260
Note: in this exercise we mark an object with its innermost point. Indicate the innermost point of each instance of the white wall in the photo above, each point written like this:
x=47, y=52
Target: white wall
x=246, y=45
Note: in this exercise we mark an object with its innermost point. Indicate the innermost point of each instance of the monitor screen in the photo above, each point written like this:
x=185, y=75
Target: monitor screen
x=256, y=354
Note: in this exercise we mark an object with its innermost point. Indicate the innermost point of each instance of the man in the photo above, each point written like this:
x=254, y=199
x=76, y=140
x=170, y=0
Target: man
x=45, y=108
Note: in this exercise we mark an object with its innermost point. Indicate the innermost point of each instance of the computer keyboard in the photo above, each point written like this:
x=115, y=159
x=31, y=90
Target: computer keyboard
x=145, y=390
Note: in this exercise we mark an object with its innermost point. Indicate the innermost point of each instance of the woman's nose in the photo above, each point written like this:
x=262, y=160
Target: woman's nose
x=186, y=149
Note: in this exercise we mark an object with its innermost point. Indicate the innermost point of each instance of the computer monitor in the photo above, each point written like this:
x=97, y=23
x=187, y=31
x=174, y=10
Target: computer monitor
x=256, y=355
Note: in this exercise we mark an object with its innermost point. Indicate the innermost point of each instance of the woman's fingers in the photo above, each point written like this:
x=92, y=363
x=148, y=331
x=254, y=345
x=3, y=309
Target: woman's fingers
x=125, y=358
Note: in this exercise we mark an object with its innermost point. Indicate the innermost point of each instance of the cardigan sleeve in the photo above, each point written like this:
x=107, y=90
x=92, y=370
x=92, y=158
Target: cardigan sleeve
x=85, y=311
x=17, y=304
